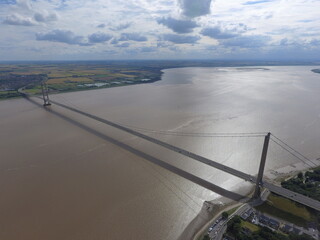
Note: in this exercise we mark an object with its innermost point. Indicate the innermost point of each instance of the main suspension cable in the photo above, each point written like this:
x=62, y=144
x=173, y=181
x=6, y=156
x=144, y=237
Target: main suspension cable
x=293, y=154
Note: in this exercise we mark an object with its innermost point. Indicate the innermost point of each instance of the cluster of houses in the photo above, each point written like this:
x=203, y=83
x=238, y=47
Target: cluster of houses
x=255, y=217
x=270, y=222
x=101, y=84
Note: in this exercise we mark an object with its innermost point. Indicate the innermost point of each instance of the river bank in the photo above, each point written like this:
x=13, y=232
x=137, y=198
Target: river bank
x=212, y=210
x=198, y=234
x=209, y=212
x=198, y=225
x=289, y=171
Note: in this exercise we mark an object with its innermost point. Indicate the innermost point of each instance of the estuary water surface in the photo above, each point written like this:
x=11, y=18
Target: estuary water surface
x=61, y=180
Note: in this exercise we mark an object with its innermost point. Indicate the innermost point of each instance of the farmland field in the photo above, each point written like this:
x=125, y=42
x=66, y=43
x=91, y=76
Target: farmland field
x=62, y=77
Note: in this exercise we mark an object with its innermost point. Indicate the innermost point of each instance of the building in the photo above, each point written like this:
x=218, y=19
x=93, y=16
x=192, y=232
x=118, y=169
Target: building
x=286, y=228
x=264, y=220
x=274, y=224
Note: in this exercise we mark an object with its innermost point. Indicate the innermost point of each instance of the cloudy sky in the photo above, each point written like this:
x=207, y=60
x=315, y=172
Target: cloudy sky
x=159, y=29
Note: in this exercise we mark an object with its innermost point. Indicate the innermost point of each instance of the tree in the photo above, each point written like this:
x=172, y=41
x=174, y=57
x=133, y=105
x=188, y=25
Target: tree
x=234, y=226
x=299, y=237
x=206, y=237
x=225, y=215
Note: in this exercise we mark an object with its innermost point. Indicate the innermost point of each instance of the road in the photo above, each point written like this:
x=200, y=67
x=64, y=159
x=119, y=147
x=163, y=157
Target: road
x=220, y=225
x=292, y=195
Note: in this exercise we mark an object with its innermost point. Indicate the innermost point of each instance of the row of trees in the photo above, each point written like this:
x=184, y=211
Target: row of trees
x=307, y=184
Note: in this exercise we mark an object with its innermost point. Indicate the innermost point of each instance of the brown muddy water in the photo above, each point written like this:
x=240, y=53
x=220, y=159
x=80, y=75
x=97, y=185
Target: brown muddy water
x=61, y=180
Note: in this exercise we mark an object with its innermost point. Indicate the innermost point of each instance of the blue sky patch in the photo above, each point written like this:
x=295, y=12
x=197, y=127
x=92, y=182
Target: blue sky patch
x=10, y=2
x=256, y=2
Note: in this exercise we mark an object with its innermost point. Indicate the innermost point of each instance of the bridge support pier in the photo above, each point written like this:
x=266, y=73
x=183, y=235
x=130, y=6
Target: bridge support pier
x=44, y=88
x=262, y=164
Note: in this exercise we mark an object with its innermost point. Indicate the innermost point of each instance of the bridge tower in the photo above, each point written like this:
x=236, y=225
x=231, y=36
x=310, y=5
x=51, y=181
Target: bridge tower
x=262, y=164
x=44, y=88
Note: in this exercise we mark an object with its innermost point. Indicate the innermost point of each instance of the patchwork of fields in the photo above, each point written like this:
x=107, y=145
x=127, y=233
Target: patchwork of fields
x=64, y=77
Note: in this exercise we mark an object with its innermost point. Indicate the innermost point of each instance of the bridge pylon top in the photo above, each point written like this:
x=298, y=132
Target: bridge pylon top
x=45, y=94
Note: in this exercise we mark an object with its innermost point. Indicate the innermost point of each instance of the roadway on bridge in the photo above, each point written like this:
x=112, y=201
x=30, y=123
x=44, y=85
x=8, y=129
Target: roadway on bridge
x=293, y=195
x=273, y=188
x=197, y=180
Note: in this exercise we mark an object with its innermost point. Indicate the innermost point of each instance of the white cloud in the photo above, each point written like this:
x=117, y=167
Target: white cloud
x=217, y=33
x=24, y=4
x=249, y=41
x=99, y=37
x=132, y=37
x=188, y=25
x=195, y=8
x=122, y=45
x=45, y=17
x=16, y=19
x=180, y=39
x=121, y=27
x=63, y=36
x=178, y=26
x=102, y=25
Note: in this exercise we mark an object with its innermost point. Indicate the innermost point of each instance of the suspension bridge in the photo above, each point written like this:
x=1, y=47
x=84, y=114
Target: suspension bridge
x=258, y=180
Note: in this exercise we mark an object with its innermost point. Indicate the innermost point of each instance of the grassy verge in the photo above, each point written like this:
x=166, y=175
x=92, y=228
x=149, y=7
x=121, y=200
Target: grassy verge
x=287, y=210
x=9, y=94
x=231, y=211
x=250, y=226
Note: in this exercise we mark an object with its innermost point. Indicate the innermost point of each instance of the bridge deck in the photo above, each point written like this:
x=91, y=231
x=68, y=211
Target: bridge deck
x=273, y=188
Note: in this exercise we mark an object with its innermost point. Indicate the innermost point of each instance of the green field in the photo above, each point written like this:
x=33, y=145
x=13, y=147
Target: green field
x=250, y=226
x=288, y=210
x=9, y=94
x=73, y=77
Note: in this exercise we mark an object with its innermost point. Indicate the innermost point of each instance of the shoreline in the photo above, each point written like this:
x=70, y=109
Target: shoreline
x=289, y=171
x=208, y=212
x=83, y=89
x=196, y=228
x=203, y=229
x=275, y=177
x=159, y=78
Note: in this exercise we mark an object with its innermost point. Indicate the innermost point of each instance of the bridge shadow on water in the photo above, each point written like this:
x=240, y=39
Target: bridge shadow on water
x=165, y=165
